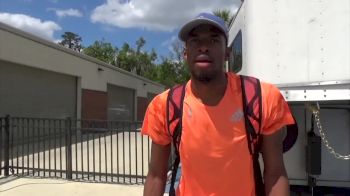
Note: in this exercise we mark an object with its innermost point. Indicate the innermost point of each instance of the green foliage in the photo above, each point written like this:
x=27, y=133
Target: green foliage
x=225, y=14
x=171, y=73
x=167, y=71
x=138, y=61
x=173, y=69
x=71, y=41
x=180, y=65
x=125, y=58
x=103, y=51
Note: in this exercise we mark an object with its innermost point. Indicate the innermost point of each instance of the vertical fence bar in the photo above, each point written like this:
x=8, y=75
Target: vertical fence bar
x=105, y=140
x=38, y=137
x=117, y=132
x=99, y=154
x=20, y=144
x=7, y=145
x=143, y=174
x=11, y=143
x=44, y=138
x=93, y=155
x=28, y=144
x=49, y=135
x=135, y=129
x=17, y=144
x=88, y=154
x=123, y=129
x=43, y=121
x=55, y=146
x=59, y=147
x=14, y=143
x=110, y=126
x=129, y=127
x=23, y=139
x=1, y=145
x=60, y=136
x=81, y=149
x=76, y=149
x=69, y=149
x=33, y=146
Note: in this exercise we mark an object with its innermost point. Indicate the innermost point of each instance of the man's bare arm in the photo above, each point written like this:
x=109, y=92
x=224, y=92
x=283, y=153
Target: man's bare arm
x=157, y=173
x=275, y=175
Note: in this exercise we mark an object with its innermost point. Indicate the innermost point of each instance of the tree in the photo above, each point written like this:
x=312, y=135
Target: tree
x=167, y=73
x=137, y=60
x=126, y=58
x=181, y=68
x=103, y=51
x=139, y=44
x=172, y=70
x=225, y=14
x=71, y=41
x=146, y=63
x=177, y=49
x=143, y=60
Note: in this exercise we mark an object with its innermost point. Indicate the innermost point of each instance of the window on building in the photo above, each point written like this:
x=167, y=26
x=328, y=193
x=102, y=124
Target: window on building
x=235, y=61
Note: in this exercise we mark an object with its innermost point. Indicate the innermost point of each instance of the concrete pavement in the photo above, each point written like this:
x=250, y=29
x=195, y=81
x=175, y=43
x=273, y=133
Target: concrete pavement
x=58, y=187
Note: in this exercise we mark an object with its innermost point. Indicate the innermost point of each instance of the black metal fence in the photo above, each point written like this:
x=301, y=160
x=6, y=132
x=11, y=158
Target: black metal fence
x=83, y=150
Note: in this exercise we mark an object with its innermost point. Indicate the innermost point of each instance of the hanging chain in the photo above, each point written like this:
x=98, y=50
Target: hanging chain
x=316, y=112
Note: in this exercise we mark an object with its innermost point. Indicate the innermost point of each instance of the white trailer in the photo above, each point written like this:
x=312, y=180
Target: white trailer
x=303, y=46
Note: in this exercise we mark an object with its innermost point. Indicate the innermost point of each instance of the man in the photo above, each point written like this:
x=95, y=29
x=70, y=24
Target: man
x=214, y=151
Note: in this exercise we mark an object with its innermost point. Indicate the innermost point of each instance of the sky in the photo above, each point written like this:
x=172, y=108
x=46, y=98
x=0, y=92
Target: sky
x=114, y=21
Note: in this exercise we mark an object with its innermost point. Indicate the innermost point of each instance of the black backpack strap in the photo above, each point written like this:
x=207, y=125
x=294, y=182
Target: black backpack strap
x=252, y=109
x=251, y=92
x=174, y=125
x=252, y=106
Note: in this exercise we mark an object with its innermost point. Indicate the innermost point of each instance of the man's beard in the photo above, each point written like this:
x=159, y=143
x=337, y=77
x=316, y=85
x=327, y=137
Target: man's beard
x=203, y=77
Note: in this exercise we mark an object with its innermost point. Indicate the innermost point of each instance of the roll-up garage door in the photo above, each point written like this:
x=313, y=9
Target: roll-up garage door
x=32, y=92
x=121, y=103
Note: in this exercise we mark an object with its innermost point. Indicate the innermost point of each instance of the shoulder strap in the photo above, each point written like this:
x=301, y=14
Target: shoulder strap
x=252, y=104
x=252, y=109
x=174, y=125
x=174, y=109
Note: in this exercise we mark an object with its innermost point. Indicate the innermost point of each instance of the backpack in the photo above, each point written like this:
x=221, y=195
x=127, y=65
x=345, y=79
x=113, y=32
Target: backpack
x=252, y=109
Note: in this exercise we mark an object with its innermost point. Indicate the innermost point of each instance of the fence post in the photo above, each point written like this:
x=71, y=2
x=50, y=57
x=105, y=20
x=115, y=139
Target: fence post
x=7, y=146
x=69, y=148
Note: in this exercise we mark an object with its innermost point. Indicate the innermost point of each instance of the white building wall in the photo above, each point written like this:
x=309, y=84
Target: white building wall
x=24, y=49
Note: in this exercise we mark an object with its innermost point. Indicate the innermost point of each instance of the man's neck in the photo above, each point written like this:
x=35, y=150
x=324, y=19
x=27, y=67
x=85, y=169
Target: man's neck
x=210, y=93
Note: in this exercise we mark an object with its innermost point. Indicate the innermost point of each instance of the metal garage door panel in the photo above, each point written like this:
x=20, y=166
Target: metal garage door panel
x=31, y=92
x=121, y=103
